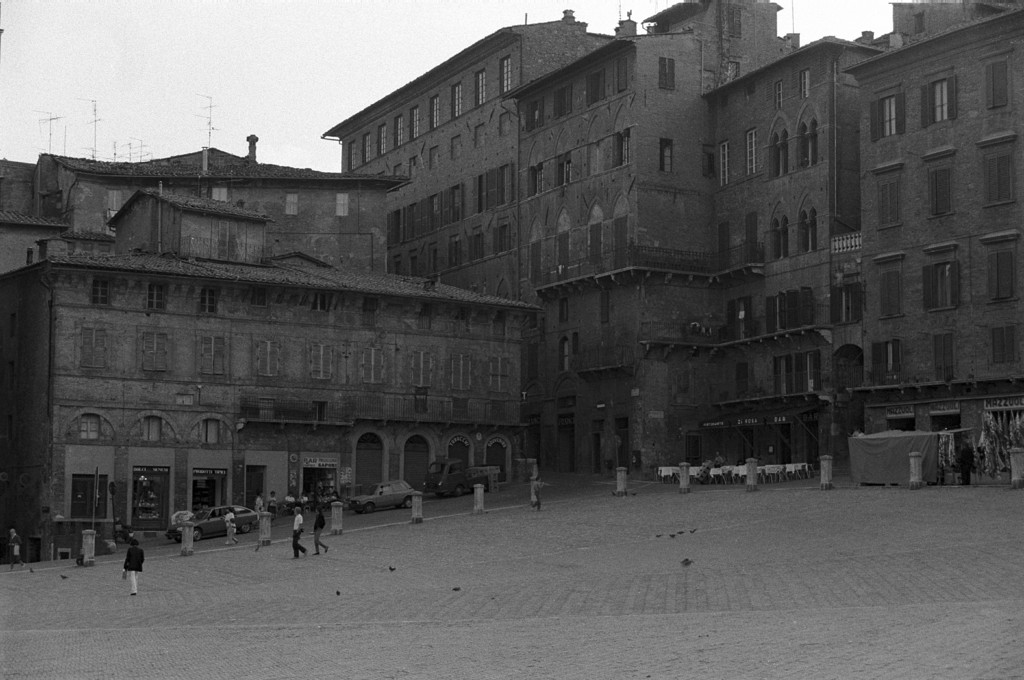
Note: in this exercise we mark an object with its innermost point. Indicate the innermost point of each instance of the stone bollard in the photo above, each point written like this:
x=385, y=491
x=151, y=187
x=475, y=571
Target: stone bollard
x=265, y=518
x=915, y=470
x=751, y=474
x=88, y=548
x=478, y=499
x=620, y=481
x=684, y=478
x=187, y=541
x=417, y=507
x=1017, y=468
x=826, y=472
x=337, y=517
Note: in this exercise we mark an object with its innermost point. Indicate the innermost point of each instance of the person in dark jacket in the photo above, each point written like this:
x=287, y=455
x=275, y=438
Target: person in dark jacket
x=133, y=565
x=318, y=526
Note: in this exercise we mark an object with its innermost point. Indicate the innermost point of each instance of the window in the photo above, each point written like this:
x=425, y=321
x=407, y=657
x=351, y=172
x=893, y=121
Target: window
x=432, y=157
x=454, y=250
x=94, y=347
x=341, y=205
x=563, y=309
x=621, y=148
x=479, y=87
x=734, y=21
x=321, y=302
x=455, y=148
x=505, y=74
x=478, y=135
x=268, y=357
x=504, y=123
x=847, y=302
x=434, y=112
x=398, y=132
x=258, y=296
x=321, y=361
x=100, y=292
x=888, y=200
x=886, y=360
x=1004, y=344
x=414, y=164
x=723, y=163
x=291, y=204
x=938, y=101
x=365, y=155
x=223, y=231
x=888, y=116
x=606, y=306
x=502, y=239
x=563, y=101
x=350, y=151
x=89, y=426
x=943, y=356
x=212, y=352
x=665, y=155
x=454, y=206
x=498, y=325
x=421, y=364
x=1001, y=275
x=780, y=153
x=209, y=431
x=777, y=94
x=462, y=365
x=804, y=83
x=707, y=164
x=891, y=292
x=155, y=296
x=382, y=139
x=563, y=169
x=114, y=202
x=808, y=143
x=621, y=75
x=498, y=372
x=997, y=85
x=780, y=237
x=563, y=354
x=414, y=123
x=535, y=179
x=940, y=199
x=219, y=193
x=154, y=351
x=999, y=177
x=423, y=320
x=476, y=244
x=456, y=102
x=369, y=316
x=941, y=284
x=807, y=231
x=208, y=301
x=89, y=496
x=752, y=152
x=666, y=73
x=595, y=87
x=534, y=110
x=152, y=428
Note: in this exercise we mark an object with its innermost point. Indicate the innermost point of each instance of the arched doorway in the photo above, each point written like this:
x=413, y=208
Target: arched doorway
x=417, y=457
x=496, y=453
x=458, y=447
x=369, y=453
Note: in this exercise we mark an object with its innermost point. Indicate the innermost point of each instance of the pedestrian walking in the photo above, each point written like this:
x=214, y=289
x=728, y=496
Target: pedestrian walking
x=14, y=549
x=318, y=526
x=272, y=506
x=535, y=487
x=257, y=504
x=296, y=533
x=229, y=523
x=133, y=565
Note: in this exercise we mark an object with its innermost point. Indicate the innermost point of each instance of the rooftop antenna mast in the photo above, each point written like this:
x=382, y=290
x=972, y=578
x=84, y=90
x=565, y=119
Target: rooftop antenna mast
x=49, y=120
x=209, y=118
x=95, y=124
x=141, y=147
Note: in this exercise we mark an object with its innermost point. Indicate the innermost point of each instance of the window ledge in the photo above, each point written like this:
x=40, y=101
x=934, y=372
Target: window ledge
x=887, y=167
x=1001, y=137
x=891, y=225
x=996, y=204
x=945, y=308
x=939, y=216
x=1000, y=236
x=941, y=247
x=889, y=257
x=886, y=317
x=938, y=152
x=1003, y=300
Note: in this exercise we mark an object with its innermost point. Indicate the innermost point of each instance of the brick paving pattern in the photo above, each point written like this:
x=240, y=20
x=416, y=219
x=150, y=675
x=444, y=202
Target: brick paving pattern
x=788, y=582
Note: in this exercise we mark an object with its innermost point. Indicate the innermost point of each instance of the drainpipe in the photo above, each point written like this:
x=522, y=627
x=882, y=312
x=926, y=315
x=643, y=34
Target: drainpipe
x=159, y=221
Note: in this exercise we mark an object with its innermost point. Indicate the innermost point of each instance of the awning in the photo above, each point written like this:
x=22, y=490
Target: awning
x=761, y=418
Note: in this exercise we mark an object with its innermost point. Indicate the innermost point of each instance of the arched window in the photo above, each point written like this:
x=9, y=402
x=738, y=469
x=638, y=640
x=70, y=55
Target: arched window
x=774, y=152
x=563, y=354
x=812, y=229
x=782, y=154
x=802, y=136
x=780, y=237
x=812, y=143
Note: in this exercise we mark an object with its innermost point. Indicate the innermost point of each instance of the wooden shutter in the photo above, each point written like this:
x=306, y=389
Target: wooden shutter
x=928, y=285
x=806, y=306
x=874, y=109
x=951, y=97
x=927, y=105
x=901, y=113
x=835, y=303
x=771, y=314
x=996, y=84
x=792, y=308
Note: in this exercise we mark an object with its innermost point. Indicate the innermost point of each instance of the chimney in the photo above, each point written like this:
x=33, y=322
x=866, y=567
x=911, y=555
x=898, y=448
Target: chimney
x=626, y=27
x=866, y=37
x=206, y=159
x=252, y=139
x=568, y=17
x=794, y=40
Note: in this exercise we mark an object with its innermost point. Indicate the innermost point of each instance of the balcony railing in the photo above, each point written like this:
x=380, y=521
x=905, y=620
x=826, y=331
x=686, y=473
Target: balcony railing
x=415, y=408
x=846, y=243
x=598, y=358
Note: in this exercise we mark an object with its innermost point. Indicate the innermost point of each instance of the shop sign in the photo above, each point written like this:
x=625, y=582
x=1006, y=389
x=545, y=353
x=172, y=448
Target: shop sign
x=209, y=472
x=943, y=407
x=344, y=475
x=567, y=420
x=533, y=419
x=724, y=422
x=1004, y=403
x=151, y=468
x=656, y=414
x=904, y=411
x=318, y=462
x=748, y=421
x=460, y=439
x=778, y=420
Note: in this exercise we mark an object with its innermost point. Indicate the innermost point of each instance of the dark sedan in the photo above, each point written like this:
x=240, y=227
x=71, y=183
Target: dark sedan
x=210, y=522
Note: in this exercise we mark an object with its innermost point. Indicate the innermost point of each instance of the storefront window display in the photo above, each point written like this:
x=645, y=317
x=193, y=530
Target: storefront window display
x=150, y=490
x=208, y=487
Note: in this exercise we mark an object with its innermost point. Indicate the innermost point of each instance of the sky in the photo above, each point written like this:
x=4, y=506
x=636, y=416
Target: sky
x=141, y=79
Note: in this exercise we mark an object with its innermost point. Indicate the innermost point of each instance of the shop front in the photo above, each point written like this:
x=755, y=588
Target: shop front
x=319, y=475
x=209, y=487
x=151, y=496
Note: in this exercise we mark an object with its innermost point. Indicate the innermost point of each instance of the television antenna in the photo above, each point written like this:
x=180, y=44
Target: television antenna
x=210, y=106
x=95, y=124
x=49, y=121
x=141, y=147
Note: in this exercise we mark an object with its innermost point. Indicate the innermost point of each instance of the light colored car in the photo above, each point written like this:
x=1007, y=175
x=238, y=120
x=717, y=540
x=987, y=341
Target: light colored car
x=394, y=494
x=210, y=522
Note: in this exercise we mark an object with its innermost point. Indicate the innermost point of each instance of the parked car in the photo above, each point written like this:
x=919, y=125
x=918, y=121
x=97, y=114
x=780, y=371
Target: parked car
x=210, y=522
x=394, y=494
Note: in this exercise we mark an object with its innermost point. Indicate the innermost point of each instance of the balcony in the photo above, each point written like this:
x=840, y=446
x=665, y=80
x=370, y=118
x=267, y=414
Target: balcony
x=846, y=243
x=598, y=359
x=365, y=406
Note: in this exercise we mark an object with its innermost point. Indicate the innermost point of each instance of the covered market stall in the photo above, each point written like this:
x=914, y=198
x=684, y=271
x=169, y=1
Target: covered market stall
x=884, y=457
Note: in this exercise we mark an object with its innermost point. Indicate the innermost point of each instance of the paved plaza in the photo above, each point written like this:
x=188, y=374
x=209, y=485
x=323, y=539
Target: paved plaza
x=787, y=582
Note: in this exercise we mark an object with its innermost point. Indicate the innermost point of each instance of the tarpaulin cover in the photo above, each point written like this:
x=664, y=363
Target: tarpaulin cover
x=884, y=457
